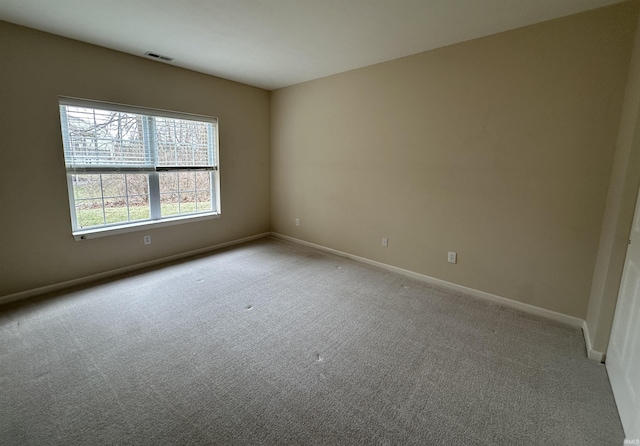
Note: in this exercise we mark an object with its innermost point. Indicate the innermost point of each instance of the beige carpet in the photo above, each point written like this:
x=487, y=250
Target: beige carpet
x=272, y=343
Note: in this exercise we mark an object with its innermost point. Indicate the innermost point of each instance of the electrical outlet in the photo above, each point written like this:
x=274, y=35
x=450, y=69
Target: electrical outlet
x=453, y=257
x=147, y=239
x=297, y=222
x=385, y=242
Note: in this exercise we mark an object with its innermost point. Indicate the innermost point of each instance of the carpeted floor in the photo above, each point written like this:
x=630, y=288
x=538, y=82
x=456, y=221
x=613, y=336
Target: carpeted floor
x=272, y=343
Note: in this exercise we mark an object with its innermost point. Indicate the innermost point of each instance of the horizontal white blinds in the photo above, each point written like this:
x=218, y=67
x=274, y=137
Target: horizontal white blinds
x=102, y=137
x=183, y=143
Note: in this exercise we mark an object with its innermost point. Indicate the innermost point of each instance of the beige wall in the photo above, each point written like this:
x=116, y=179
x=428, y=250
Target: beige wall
x=621, y=201
x=36, y=246
x=499, y=148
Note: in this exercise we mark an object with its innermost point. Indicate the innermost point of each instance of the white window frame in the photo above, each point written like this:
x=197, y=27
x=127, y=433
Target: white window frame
x=156, y=220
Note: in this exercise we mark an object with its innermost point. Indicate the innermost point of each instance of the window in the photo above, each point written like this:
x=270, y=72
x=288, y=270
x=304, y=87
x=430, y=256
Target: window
x=128, y=167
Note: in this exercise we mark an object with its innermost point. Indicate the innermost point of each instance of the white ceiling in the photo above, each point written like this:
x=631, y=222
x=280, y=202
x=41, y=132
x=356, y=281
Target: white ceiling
x=276, y=43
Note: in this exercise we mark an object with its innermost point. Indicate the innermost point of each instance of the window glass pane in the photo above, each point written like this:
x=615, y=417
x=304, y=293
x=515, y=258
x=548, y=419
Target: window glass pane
x=187, y=202
x=141, y=212
x=138, y=196
x=168, y=182
x=169, y=198
x=179, y=194
x=203, y=180
x=168, y=193
x=86, y=186
x=138, y=184
x=114, y=198
x=187, y=181
x=89, y=213
x=115, y=213
x=169, y=204
x=110, y=198
x=113, y=185
x=203, y=200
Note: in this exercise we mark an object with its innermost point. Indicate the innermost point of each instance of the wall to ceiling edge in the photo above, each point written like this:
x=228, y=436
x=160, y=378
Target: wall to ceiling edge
x=500, y=149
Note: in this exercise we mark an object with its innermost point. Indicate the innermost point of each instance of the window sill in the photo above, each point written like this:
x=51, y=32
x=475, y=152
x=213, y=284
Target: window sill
x=147, y=224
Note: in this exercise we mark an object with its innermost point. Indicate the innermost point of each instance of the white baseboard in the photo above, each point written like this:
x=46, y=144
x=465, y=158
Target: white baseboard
x=527, y=308
x=531, y=309
x=594, y=355
x=126, y=269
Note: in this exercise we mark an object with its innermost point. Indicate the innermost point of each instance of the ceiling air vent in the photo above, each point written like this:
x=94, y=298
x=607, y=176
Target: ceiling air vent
x=158, y=56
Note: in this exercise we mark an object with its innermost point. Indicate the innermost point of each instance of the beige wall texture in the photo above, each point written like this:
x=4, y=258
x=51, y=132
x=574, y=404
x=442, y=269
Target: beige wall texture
x=500, y=149
x=618, y=217
x=37, y=248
